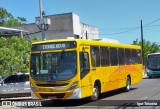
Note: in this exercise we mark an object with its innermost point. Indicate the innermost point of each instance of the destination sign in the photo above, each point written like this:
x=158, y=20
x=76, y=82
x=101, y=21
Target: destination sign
x=53, y=46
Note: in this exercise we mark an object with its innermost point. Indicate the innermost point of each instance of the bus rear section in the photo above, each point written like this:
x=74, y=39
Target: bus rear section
x=153, y=65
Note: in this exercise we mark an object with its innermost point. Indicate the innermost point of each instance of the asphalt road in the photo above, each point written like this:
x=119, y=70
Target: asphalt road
x=144, y=95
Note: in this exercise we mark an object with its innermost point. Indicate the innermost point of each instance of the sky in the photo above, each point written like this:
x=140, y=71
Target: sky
x=115, y=19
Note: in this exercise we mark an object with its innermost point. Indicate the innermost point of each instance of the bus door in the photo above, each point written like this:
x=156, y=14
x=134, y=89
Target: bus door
x=85, y=74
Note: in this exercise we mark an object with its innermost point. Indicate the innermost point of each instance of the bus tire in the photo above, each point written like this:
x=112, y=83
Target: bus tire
x=96, y=92
x=128, y=84
x=150, y=76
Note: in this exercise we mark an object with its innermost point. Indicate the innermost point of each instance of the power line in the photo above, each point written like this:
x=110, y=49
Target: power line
x=124, y=31
x=153, y=26
x=151, y=22
x=128, y=28
x=146, y=25
x=118, y=28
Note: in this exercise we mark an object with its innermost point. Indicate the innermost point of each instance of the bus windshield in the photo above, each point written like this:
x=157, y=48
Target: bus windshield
x=153, y=62
x=53, y=66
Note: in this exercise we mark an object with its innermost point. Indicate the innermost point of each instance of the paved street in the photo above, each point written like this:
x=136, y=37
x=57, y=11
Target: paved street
x=141, y=94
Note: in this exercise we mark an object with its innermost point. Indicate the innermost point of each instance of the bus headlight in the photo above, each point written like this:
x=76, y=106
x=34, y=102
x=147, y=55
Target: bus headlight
x=148, y=70
x=73, y=86
x=33, y=88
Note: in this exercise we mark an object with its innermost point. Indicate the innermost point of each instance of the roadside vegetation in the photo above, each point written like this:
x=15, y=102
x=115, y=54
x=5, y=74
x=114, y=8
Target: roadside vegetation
x=13, y=49
x=13, y=56
x=7, y=19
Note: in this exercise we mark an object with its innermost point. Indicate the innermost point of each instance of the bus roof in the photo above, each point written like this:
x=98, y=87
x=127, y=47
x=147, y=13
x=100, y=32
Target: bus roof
x=91, y=42
x=153, y=53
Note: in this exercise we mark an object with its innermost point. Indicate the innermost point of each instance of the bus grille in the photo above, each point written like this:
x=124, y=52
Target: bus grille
x=58, y=95
x=51, y=85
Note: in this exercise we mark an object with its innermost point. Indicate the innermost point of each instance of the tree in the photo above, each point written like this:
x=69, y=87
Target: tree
x=149, y=47
x=34, y=38
x=12, y=53
x=22, y=20
x=12, y=49
x=7, y=19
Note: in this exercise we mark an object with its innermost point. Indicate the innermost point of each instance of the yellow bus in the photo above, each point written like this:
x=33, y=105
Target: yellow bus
x=77, y=68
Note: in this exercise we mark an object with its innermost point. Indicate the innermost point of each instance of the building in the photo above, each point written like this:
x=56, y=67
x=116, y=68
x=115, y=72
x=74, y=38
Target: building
x=62, y=26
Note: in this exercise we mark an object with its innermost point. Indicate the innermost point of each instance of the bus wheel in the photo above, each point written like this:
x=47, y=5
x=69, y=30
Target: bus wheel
x=128, y=84
x=96, y=92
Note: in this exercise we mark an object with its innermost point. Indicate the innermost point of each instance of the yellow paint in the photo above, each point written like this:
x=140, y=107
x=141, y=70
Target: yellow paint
x=111, y=77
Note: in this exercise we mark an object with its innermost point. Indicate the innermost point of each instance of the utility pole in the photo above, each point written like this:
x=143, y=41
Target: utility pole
x=42, y=22
x=142, y=43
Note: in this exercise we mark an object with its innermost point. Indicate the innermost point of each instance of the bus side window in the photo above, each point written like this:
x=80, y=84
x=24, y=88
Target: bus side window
x=128, y=56
x=104, y=56
x=139, y=57
x=134, y=56
x=121, y=56
x=95, y=56
x=113, y=56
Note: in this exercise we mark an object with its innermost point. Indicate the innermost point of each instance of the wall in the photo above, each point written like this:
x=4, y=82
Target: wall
x=63, y=26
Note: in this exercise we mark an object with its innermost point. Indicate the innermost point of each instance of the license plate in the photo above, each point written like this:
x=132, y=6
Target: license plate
x=52, y=97
x=44, y=90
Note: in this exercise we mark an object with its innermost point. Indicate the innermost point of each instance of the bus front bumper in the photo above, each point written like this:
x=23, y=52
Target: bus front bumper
x=153, y=73
x=75, y=94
